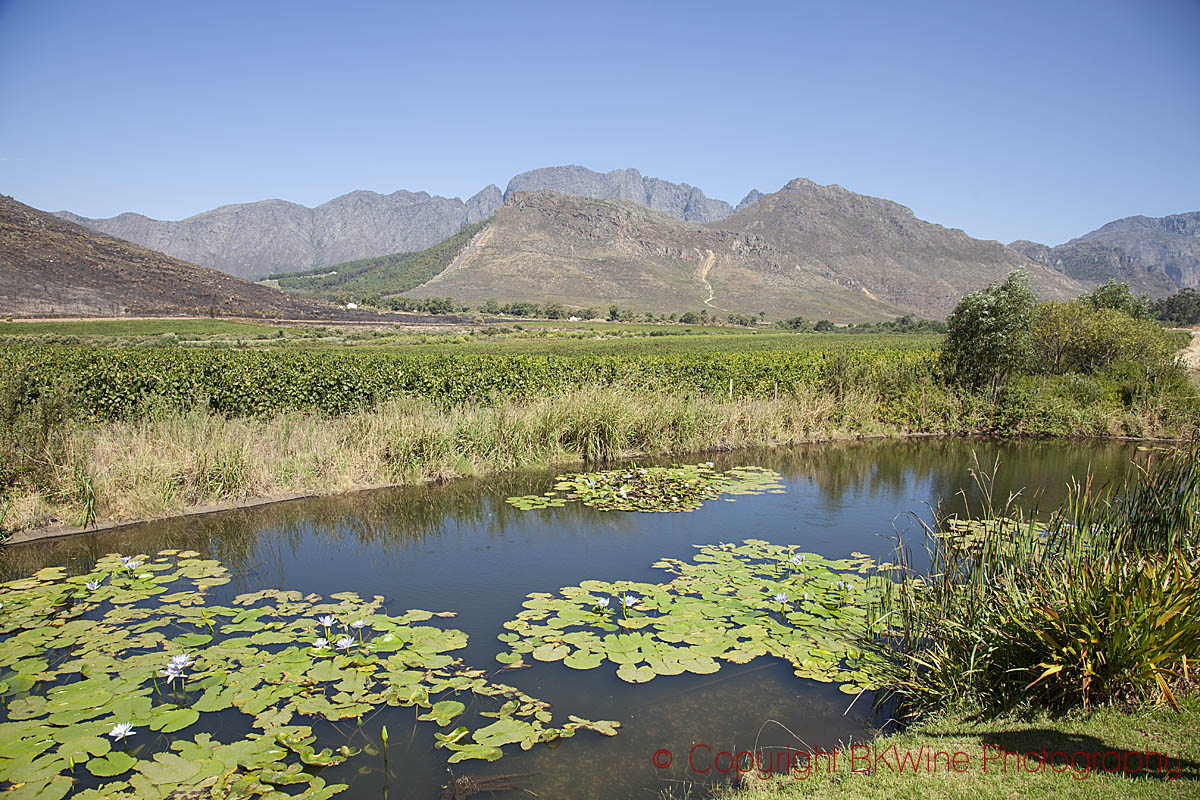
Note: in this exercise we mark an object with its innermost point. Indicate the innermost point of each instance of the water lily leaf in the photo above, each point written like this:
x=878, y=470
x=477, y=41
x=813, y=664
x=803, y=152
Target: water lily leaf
x=551, y=652
x=443, y=711
x=582, y=659
x=168, y=768
x=175, y=720
x=114, y=763
x=469, y=751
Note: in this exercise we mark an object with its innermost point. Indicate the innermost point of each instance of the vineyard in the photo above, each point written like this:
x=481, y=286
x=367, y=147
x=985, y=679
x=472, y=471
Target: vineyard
x=108, y=383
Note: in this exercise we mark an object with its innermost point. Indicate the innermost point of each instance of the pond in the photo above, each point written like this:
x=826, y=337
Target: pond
x=462, y=548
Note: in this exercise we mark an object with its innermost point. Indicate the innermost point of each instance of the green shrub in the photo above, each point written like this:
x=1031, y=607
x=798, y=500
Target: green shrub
x=987, y=334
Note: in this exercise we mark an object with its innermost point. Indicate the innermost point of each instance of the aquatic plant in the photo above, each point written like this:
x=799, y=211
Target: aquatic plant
x=80, y=671
x=680, y=488
x=712, y=611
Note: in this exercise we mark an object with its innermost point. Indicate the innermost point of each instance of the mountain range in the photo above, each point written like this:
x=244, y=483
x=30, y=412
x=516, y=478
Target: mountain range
x=250, y=240
x=53, y=267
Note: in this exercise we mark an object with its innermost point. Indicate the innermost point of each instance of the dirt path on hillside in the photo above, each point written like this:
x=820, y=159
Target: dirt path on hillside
x=702, y=273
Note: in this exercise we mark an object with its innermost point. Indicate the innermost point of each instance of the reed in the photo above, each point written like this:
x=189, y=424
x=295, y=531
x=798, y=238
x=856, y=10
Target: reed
x=1097, y=601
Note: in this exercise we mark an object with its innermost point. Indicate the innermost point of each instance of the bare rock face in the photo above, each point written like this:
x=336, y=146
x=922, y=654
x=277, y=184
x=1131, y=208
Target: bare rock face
x=1169, y=244
x=1093, y=263
x=678, y=200
x=752, y=197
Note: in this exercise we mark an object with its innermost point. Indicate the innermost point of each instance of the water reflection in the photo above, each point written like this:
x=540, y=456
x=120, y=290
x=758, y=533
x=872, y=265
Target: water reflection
x=460, y=547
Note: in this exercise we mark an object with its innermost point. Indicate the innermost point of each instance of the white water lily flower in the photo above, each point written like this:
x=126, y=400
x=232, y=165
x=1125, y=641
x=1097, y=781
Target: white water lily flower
x=344, y=643
x=358, y=624
x=327, y=621
x=629, y=601
x=121, y=730
x=602, y=602
x=320, y=644
x=781, y=597
x=183, y=660
x=797, y=559
x=92, y=585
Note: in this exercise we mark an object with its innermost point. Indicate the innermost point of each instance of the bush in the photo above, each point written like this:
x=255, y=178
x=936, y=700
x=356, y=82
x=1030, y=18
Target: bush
x=1075, y=337
x=1098, y=602
x=987, y=335
x=1117, y=297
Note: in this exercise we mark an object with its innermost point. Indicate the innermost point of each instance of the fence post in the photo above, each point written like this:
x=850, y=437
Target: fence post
x=731, y=388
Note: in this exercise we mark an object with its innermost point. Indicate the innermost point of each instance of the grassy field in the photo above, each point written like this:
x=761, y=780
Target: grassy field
x=980, y=772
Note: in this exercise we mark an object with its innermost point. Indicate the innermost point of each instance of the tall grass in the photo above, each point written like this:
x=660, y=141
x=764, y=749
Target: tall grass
x=168, y=461
x=1097, y=601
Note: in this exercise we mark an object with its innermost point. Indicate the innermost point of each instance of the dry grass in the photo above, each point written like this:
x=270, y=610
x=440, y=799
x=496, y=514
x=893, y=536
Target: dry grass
x=169, y=462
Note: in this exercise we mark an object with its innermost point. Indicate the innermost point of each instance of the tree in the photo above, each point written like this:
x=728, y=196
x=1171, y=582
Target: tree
x=988, y=333
x=794, y=324
x=555, y=311
x=1180, y=309
x=588, y=313
x=1119, y=297
x=823, y=326
x=614, y=313
x=690, y=318
x=490, y=307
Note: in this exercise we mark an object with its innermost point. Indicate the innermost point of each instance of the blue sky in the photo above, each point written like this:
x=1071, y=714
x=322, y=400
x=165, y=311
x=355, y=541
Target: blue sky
x=1038, y=120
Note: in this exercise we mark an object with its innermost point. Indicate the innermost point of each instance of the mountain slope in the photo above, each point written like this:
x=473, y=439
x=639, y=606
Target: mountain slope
x=382, y=275
x=1170, y=244
x=813, y=250
x=52, y=267
x=254, y=239
x=1094, y=263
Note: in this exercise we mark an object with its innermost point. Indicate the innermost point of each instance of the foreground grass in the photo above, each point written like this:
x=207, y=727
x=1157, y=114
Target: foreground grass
x=982, y=773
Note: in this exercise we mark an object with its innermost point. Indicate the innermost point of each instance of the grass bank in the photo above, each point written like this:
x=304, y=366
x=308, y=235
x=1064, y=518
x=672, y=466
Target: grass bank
x=60, y=469
x=980, y=771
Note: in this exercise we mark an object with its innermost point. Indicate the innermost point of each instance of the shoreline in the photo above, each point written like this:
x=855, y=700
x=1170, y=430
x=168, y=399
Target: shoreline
x=63, y=531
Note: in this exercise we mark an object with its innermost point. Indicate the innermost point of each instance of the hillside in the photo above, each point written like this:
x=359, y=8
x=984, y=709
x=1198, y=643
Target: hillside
x=820, y=251
x=1094, y=263
x=1170, y=244
x=1154, y=255
x=52, y=267
x=383, y=275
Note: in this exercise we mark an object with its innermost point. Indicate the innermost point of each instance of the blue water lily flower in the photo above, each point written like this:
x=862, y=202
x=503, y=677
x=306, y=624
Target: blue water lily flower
x=797, y=559
x=358, y=624
x=321, y=643
x=121, y=730
x=172, y=672
x=344, y=643
x=92, y=585
x=603, y=602
x=781, y=597
x=327, y=621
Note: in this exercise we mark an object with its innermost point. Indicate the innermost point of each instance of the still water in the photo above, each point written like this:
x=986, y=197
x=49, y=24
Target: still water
x=461, y=548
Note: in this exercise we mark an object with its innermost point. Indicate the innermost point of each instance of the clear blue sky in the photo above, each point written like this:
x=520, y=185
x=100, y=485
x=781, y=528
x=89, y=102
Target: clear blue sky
x=1037, y=120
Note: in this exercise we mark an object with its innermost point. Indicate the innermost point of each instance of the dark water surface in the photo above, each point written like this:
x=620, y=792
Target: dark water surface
x=461, y=548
